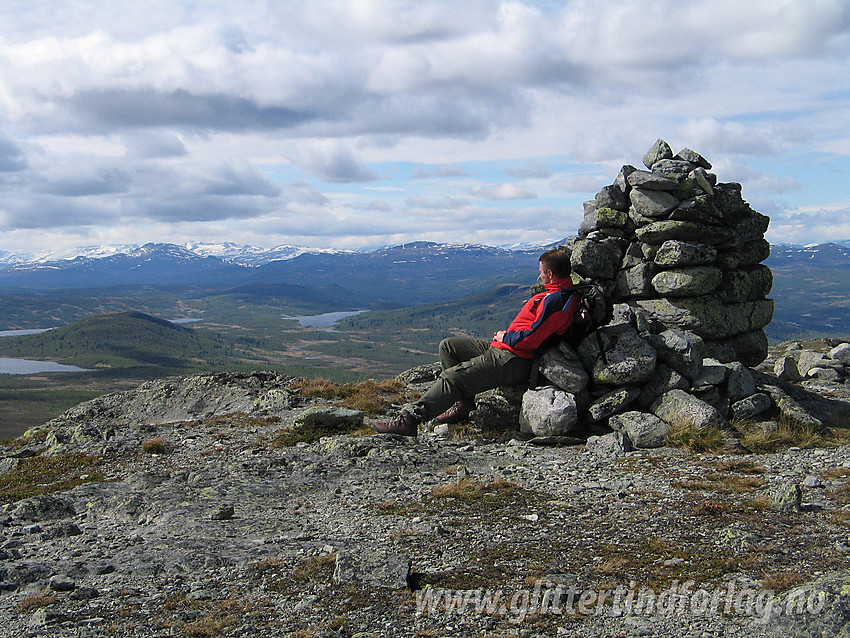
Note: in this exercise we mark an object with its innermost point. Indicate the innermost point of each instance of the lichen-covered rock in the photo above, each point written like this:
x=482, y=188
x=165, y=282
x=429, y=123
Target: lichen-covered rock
x=608, y=447
x=750, y=348
x=693, y=157
x=562, y=366
x=376, y=567
x=612, y=402
x=628, y=359
x=808, y=359
x=740, y=383
x=745, y=285
x=708, y=317
x=657, y=232
x=747, y=254
x=679, y=407
x=328, y=417
x=86, y=426
x=788, y=498
x=497, y=410
x=791, y=409
x=660, y=151
x=636, y=281
x=593, y=259
x=687, y=282
x=750, y=407
x=674, y=253
x=612, y=197
x=841, y=353
x=682, y=350
x=664, y=380
x=653, y=203
x=712, y=372
x=786, y=368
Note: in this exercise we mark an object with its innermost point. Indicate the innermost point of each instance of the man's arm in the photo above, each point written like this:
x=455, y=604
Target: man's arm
x=552, y=315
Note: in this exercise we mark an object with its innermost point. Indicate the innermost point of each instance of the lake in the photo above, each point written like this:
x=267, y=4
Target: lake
x=325, y=321
x=26, y=366
x=20, y=333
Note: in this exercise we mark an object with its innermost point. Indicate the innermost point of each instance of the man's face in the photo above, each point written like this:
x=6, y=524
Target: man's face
x=546, y=276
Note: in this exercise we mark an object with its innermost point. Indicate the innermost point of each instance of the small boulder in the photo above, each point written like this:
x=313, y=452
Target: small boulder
x=659, y=151
x=677, y=406
x=788, y=498
x=644, y=430
x=841, y=353
x=548, y=411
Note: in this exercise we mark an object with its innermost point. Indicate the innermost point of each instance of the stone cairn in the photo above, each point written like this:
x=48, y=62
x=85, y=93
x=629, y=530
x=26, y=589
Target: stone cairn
x=681, y=256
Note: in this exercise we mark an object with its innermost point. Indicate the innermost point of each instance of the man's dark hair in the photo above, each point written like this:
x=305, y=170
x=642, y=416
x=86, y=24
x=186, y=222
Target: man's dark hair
x=557, y=261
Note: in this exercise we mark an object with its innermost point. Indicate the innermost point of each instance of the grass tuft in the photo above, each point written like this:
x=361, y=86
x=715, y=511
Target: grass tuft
x=688, y=436
x=156, y=445
x=36, y=600
x=789, y=434
x=468, y=489
x=781, y=581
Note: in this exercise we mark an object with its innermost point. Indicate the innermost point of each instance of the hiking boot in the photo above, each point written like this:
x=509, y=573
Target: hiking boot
x=405, y=424
x=458, y=412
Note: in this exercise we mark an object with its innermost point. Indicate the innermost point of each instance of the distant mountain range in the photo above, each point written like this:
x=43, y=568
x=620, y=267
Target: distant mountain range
x=811, y=283
x=244, y=255
x=404, y=275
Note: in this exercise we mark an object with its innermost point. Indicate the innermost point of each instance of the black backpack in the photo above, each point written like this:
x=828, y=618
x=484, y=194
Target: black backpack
x=596, y=309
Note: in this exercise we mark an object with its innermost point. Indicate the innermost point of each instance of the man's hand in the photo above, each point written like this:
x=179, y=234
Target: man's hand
x=499, y=336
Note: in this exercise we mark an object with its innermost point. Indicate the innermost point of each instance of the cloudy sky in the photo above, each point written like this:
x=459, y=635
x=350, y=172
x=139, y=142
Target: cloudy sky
x=361, y=123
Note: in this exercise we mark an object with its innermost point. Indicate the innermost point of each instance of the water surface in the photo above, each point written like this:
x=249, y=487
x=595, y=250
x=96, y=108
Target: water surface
x=27, y=366
x=326, y=320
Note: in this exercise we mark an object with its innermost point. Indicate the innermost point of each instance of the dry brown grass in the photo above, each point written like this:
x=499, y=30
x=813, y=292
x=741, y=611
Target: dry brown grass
x=370, y=396
x=221, y=615
x=156, y=445
x=711, y=508
x=781, y=581
x=788, y=434
x=469, y=489
x=36, y=600
x=694, y=439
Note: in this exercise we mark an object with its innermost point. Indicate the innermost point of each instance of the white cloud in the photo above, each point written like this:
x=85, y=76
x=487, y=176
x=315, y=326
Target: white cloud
x=443, y=170
x=534, y=168
x=502, y=192
x=333, y=162
x=165, y=110
x=446, y=203
x=729, y=137
x=807, y=226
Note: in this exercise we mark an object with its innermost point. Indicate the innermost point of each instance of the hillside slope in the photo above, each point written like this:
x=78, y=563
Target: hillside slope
x=121, y=340
x=811, y=291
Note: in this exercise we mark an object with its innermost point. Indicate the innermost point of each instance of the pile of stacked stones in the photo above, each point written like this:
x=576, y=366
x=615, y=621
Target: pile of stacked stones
x=681, y=257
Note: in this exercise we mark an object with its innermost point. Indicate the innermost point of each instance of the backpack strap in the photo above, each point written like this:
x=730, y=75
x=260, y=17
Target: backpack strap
x=535, y=372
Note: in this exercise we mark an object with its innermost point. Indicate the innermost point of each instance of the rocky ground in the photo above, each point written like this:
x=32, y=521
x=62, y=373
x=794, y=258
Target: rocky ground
x=179, y=510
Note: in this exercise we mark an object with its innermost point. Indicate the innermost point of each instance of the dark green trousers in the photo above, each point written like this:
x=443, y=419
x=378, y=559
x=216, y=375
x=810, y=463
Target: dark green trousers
x=470, y=366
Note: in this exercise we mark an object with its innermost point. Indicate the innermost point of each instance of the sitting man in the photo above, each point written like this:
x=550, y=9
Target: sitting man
x=472, y=365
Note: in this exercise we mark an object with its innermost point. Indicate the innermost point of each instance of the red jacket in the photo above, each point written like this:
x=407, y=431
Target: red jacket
x=542, y=316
